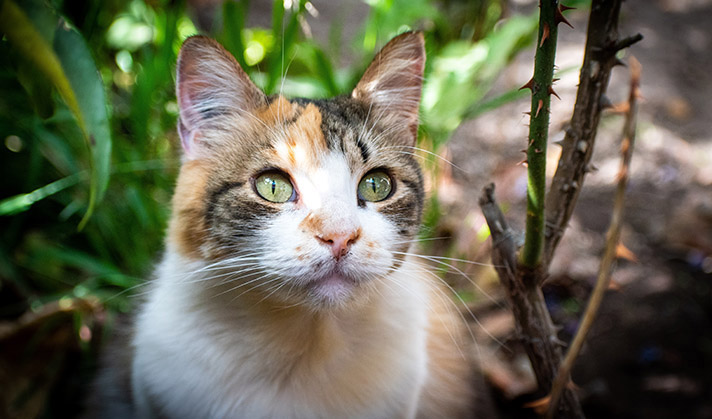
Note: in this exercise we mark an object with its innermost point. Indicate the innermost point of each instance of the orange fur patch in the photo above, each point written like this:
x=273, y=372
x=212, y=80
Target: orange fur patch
x=279, y=110
x=304, y=141
x=312, y=223
x=187, y=229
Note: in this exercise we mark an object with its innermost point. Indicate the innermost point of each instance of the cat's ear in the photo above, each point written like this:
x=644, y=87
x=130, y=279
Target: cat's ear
x=392, y=84
x=210, y=87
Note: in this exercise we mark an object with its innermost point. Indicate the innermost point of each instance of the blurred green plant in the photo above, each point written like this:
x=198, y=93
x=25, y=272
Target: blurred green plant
x=61, y=59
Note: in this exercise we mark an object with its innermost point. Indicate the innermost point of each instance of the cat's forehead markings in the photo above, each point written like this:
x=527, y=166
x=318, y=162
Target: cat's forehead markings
x=279, y=110
x=303, y=142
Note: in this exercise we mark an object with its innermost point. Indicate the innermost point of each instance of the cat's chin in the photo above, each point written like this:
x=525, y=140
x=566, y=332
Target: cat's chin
x=332, y=289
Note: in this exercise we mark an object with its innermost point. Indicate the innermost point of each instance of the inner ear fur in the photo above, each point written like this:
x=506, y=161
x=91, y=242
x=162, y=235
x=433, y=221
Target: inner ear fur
x=392, y=84
x=210, y=86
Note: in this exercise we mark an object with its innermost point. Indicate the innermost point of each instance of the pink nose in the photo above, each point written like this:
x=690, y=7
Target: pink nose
x=340, y=243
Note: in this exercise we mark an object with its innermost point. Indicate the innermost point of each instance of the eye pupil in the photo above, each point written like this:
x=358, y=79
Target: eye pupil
x=375, y=186
x=274, y=187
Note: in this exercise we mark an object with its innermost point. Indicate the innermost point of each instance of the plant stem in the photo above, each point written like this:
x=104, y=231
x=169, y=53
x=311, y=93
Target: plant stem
x=602, y=44
x=612, y=240
x=540, y=86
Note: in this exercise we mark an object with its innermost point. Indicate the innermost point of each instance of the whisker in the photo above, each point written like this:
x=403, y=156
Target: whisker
x=439, y=260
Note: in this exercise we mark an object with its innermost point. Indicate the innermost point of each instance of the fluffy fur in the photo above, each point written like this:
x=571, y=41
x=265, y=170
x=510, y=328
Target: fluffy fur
x=254, y=313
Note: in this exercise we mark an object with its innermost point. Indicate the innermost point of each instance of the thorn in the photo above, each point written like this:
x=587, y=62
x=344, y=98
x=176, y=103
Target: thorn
x=569, y=131
x=620, y=108
x=540, y=406
x=626, y=42
x=565, y=8
x=537, y=150
x=614, y=285
x=556, y=341
x=529, y=85
x=623, y=252
x=582, y=146
x=559, y=18
x=619, y=62
x=527, y=113
x=625, y=145
x=524, y=163
x=554, y=80
x=605, y=102
x=538, y=108
x=530, y=142
x=552, y=92
x=544, y=34
x=590, y=168
x=560, y=143
x=524, y=150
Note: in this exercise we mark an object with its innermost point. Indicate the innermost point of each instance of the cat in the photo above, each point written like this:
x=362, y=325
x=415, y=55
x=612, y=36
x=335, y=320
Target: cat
x=287, y=289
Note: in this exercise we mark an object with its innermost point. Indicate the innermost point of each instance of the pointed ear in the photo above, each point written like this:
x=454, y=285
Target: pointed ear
x=392, y=84
x=212, y=91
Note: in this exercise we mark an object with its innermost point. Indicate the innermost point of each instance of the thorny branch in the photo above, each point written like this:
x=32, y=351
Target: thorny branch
x=612, y=239
x=533, y=322
x=602, y=44
x=541, y=88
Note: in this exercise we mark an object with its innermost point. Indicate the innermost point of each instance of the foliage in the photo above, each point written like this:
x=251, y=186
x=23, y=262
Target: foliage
x=61, y=56
x=129, y=120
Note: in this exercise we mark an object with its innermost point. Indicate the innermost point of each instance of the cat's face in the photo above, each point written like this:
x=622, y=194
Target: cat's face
x=298, y=200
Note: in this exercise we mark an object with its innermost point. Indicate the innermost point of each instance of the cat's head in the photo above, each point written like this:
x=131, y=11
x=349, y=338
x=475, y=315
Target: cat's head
x=298, y=199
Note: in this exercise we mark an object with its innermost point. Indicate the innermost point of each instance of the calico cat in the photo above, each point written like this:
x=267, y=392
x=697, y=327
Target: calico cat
x=287, y=289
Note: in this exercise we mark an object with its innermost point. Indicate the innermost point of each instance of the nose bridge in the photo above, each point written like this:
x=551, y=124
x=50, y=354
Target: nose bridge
x=337, y=227
x=337, y=218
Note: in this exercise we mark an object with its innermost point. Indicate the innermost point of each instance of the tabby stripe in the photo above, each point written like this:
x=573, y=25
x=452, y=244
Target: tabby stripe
x=215, y=195
x=364, y=149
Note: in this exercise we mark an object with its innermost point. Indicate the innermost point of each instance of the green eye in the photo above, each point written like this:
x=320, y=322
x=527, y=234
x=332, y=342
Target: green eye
x=274, y=187
x=374, y=187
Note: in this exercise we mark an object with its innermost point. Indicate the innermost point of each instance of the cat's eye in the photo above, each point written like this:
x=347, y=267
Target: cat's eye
x=375, y=186
x=274, y=187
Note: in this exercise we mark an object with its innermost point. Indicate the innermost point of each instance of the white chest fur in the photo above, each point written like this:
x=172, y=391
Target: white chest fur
x=199, y=357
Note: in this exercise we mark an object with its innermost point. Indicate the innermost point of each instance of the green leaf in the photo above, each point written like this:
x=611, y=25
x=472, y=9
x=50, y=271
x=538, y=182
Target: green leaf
x=89, y=91
x=23, y=202
x=65, y=60
x=325, y=71
x=233, y=25
x=463, y=72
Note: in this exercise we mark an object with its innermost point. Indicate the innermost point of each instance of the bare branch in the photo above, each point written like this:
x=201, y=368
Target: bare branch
x=533, y=322
x=612, y=240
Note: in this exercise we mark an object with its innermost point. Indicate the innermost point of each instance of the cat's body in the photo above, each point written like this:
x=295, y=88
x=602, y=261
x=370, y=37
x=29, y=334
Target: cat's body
x=286, y=290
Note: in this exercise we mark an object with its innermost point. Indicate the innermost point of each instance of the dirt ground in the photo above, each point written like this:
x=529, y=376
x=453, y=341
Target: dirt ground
x=649, y=354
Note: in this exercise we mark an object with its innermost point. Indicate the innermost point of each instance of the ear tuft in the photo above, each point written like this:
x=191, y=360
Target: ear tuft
x=392, y=84
x=210, y=88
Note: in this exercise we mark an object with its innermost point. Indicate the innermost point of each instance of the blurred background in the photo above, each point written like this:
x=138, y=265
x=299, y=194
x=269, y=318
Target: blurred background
x=89, y=156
